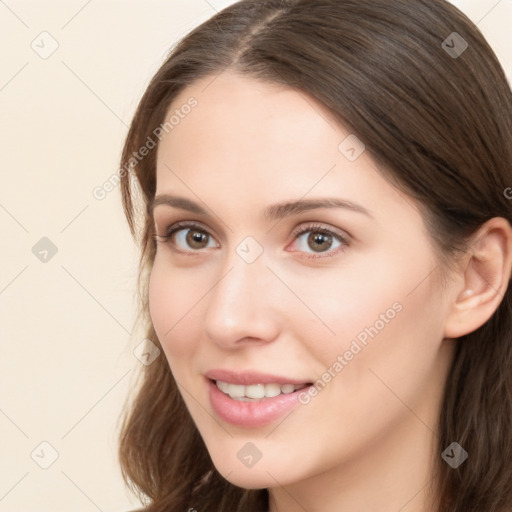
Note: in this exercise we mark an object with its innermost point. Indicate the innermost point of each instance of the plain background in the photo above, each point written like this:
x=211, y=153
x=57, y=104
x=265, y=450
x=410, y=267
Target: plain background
x=66, y=323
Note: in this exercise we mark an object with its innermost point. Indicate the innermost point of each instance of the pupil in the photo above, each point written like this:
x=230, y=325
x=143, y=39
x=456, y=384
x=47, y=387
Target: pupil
x=317, y=239
x=195, y=238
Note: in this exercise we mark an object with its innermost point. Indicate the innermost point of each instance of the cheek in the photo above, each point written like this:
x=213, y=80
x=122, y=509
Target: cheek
x=346, y=305
x=394, y=351
x=387, y=318
x=172, y=312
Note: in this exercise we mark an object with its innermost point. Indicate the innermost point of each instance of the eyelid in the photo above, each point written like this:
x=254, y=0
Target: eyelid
x=319, y=226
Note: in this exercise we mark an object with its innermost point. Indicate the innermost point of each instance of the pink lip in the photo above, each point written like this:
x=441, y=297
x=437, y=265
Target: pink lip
x=254, y=413
x=250, y=377
x=250, y=414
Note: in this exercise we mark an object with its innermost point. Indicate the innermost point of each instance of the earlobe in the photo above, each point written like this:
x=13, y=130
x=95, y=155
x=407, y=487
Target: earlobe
x=485, y=278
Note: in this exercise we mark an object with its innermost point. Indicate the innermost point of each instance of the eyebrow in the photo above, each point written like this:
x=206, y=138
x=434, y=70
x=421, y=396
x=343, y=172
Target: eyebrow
x=272, y=212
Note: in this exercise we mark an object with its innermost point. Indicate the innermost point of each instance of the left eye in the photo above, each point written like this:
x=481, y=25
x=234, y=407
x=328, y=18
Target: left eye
x=192, y=238
x=318, y=240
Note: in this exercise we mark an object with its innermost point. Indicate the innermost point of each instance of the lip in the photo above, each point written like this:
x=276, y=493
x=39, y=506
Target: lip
x=250, y=377
x=251, y=414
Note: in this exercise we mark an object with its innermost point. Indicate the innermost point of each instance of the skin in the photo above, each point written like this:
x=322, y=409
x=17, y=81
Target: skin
x=367, y=441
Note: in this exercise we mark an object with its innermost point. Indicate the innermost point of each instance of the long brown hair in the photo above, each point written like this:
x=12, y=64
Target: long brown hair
x=437, y=118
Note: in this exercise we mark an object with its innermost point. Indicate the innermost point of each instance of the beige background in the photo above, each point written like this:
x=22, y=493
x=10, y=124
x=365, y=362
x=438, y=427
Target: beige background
x=66, y=324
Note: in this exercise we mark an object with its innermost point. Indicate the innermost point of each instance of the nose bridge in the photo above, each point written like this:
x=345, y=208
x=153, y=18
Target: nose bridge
x=239, y=305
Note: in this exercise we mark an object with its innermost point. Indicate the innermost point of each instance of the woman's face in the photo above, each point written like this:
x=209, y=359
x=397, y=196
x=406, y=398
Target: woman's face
x=265, y=297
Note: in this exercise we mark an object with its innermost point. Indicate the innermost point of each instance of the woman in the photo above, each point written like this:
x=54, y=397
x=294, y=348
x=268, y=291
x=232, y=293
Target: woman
x=326, y=254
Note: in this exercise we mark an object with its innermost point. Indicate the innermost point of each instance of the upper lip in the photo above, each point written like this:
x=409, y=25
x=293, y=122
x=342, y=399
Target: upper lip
x=250, y=377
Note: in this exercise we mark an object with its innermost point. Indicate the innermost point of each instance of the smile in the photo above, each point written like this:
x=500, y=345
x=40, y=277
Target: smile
x=255, y=392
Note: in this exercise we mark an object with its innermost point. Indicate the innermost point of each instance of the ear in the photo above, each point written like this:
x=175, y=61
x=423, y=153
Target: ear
x=485, y=276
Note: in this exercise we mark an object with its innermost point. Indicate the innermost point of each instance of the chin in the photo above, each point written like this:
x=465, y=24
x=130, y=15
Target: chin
x=263, y=474
x=249, y=478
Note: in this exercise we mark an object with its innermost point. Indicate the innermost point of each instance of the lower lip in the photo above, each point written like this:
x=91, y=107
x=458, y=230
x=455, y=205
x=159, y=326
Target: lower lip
x=251, y=414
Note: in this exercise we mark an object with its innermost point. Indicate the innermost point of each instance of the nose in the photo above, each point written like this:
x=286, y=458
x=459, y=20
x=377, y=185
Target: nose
x=243, y=306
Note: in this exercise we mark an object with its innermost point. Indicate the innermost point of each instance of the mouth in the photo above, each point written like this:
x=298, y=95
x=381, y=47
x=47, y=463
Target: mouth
x=250, y=403
x=250, y=398
x=258, y=391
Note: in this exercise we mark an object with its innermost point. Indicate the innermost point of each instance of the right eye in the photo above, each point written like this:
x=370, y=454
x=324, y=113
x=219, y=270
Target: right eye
x=187, y=237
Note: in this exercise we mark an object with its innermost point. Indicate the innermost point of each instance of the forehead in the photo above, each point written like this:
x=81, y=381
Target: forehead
x=242, y=126
x=249, y=142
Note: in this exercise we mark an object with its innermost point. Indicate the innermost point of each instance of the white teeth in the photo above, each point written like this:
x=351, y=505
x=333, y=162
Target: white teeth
x=223, y=386
x=256, y=391
x=236, y=390
x=272, y=390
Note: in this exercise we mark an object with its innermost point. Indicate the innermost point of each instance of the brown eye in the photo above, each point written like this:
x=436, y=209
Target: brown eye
x=187, y=238
x=319, y=241
x=196, y=239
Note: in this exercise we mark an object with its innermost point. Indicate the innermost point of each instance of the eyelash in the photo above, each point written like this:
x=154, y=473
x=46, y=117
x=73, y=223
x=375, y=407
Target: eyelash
x=178, y=226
